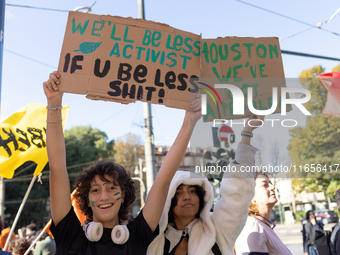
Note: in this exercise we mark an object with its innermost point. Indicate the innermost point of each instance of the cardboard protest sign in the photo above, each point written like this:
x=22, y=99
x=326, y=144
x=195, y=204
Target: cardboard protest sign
x=23, y=138
x=244, y=62
x=124, y=60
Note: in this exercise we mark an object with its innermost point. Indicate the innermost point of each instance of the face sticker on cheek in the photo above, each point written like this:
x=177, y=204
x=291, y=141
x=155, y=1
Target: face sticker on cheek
x=91, y=202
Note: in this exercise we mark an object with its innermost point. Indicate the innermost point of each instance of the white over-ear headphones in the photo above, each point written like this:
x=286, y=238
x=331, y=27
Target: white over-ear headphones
x=94, y=231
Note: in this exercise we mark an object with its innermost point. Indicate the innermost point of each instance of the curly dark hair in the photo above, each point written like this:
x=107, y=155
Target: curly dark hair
x=121, y=178
x=200, y=193
x=19, y=246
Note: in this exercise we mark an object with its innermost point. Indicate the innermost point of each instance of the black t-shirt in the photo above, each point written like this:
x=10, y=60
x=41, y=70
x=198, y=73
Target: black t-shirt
x=69, y=228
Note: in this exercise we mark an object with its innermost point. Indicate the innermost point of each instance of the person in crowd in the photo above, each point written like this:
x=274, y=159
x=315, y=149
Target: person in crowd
x=335, y=237
x=188, y=227
x=22, y=232
x=31, y=231
x=105, y=191
x=4, y=235
x=45, y=245
x=309, y=232
x=19, y=246
x=258, y=236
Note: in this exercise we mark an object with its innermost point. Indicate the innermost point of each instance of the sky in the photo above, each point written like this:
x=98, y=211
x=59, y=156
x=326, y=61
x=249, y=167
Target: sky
x=33, y=39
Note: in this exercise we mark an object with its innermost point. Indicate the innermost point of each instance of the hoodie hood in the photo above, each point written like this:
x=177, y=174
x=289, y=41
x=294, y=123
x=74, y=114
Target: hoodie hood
x=202, y=236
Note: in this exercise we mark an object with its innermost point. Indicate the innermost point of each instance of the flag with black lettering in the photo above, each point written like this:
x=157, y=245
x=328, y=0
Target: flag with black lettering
x=23, y=138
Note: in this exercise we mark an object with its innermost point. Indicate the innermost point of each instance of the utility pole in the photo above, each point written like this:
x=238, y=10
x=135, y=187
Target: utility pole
x=150, y=158
x=2, y=25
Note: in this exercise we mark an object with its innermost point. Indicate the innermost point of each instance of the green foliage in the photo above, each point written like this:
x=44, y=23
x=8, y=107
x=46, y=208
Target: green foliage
x=85, y=144
x=318, y=143
x=333, y=187
x=336, y=69
x=128, y=150
x=299, y=216
x=309, y=80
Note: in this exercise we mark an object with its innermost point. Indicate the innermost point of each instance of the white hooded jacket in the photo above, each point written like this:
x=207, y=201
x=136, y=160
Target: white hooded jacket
x=230, y=213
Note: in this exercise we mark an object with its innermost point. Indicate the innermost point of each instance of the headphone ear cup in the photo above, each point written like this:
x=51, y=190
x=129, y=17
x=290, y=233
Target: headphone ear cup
x=93, y=231
x=120, y=234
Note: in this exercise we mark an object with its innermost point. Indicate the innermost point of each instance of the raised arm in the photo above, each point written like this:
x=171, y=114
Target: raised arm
x=237, y=190
x=154, y=204
x=59, y=182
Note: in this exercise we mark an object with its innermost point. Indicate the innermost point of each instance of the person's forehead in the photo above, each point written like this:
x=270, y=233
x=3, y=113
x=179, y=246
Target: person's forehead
x=262, y=178
x=184, y=186
x=97, y=180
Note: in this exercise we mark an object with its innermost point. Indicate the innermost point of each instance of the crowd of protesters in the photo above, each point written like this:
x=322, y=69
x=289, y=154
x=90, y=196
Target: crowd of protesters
x=177, y=215
x=19, y=243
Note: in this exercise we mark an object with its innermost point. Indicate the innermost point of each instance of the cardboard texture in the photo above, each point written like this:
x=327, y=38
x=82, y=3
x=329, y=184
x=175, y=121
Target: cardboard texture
x=124, y=60
x=243, y=62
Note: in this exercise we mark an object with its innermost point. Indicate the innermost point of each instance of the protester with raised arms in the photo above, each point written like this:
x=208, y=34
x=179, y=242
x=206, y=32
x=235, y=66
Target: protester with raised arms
x=188, y=227
x=105, y=192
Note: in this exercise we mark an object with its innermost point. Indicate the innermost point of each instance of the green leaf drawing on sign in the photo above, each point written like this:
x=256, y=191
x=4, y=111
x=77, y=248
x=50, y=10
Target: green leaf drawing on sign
x=88, y=47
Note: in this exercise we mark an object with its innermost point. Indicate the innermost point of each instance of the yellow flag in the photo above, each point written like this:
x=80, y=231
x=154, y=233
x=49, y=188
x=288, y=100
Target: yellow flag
x=23, y=138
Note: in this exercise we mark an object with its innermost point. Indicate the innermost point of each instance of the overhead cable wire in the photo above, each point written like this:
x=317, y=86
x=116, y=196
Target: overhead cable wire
x=87, y=9
x=39, y=8
x=336, y=14
x=308, y=55
x=284, y=16
x=133, y=121
x=34, y=60
x=332, y=17
x=114, y=115
x=290, y=36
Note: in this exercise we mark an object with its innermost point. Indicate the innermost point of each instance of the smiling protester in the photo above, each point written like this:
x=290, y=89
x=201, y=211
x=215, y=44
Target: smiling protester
x=105, y=192
x=188, y=227
x=258, y=236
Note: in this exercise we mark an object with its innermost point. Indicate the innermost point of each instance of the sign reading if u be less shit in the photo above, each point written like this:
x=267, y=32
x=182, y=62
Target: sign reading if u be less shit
x=124, y=60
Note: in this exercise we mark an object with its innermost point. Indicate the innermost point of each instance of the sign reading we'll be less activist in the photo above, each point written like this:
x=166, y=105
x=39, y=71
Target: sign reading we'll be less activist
x=124, y=60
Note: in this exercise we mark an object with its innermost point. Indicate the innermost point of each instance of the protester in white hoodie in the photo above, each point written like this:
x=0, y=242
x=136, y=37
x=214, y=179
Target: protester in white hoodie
x=188, y=227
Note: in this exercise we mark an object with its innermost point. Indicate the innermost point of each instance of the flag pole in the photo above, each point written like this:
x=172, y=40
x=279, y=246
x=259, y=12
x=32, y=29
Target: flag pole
x=47, y=226
x=34, y=242
x=19, y=211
